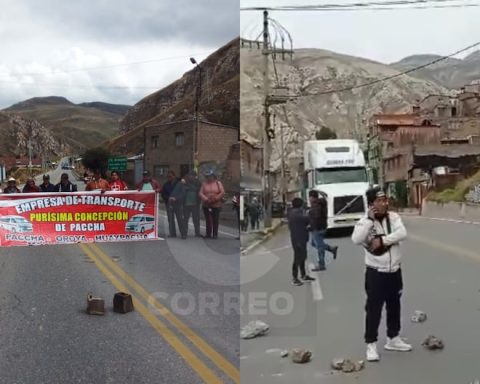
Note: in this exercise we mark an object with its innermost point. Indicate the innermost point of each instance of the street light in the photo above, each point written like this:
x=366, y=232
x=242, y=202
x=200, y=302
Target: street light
x=197, y=100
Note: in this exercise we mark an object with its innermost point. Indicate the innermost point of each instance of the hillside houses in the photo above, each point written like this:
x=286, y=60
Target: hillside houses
x=434, y=146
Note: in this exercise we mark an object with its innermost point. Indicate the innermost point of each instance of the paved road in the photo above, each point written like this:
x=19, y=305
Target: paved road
x=184, y=329
x=441, y=269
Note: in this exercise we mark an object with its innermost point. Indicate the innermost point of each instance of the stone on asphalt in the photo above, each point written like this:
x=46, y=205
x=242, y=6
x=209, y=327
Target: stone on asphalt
x=433, y=342
x=301, y=356
x=337, y=364
x=419, y=317
x=254, y=329
x=284, y=353
x=348, y=366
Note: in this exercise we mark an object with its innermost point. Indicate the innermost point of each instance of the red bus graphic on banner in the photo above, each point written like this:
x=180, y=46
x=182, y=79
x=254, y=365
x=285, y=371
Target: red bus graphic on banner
x=60, y=218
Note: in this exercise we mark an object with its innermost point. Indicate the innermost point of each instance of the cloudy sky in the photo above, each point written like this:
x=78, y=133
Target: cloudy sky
x=116, y=51
x=385, y=36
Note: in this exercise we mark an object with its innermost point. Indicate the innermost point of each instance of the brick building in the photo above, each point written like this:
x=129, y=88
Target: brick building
x=170, y=147
x=251, y=164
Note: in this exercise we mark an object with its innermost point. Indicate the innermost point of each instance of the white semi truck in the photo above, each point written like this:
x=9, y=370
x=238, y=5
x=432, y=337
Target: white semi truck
x=337, y=169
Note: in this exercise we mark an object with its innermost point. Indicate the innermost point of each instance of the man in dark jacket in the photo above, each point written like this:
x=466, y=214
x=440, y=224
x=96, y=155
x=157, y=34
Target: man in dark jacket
x=298, y=225
x=65, y=185
x=46, y=186
x=167, y=190
x=192, y=202
x=318, y=224
x=176, y=205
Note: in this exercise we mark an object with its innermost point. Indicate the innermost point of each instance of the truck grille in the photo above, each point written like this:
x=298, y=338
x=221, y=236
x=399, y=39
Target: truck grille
x=340, y=202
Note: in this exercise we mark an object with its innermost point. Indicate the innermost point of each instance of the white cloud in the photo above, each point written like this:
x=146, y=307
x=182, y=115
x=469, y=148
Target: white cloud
x=56, y=47
x=385, y=36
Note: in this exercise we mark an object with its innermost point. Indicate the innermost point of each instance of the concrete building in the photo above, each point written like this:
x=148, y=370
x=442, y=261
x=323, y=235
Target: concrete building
x=170, y=147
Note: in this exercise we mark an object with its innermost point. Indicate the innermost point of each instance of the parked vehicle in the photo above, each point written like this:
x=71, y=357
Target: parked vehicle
x=140, y=223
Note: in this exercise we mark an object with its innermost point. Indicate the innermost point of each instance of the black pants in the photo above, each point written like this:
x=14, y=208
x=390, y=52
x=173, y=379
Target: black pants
x=211, y=221
x=254, y=221
x=382, y=288
x=299, y=258
x=176, y=211
x=194, y=211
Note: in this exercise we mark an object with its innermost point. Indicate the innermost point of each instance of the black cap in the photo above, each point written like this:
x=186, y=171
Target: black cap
x=146, y=173
x=46, y=177
x=374, y=193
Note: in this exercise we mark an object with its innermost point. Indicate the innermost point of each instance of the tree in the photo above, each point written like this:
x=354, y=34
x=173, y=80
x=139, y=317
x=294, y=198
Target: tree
x=96, y=158
x=325, y=133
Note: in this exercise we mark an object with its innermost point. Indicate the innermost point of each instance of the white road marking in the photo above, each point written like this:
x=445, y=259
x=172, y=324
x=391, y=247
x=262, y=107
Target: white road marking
x=274, y=250
x=316, y=288
x=456, y=221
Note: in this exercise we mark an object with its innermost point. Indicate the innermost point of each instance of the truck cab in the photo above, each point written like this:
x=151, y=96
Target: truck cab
x=337, y=169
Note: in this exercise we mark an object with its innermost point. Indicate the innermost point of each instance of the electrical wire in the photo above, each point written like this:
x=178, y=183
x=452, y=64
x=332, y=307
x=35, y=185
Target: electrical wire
x=356, y=6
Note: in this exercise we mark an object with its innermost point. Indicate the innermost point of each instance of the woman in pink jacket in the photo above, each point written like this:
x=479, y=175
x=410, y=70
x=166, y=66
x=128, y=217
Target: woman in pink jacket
x=211, y=193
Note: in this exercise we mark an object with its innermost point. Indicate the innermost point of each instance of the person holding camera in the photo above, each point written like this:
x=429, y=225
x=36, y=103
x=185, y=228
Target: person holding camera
x=380, y=233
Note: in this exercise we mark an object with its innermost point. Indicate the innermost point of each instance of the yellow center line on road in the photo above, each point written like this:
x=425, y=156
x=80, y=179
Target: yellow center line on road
x=207, y=375
x=445, y=247
x=221, y=362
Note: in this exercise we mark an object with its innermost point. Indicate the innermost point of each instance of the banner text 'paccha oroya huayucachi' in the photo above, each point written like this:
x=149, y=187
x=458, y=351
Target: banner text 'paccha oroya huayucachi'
x=60, y=218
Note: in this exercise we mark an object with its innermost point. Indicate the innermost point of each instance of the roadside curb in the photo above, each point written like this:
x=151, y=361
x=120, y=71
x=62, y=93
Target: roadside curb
x=450, y=220
x=267, y=233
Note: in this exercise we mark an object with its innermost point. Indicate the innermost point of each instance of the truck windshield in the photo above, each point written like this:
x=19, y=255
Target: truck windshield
x=340, y=175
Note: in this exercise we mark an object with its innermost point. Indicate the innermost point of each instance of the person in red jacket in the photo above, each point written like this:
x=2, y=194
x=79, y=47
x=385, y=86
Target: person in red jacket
x=116, y=184
x=30, y=186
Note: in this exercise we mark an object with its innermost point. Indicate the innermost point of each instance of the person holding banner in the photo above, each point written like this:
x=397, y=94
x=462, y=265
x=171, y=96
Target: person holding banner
x=211, y=193
x=116, y=184
x=98, y=183
x=65, y=185
x=11, y=186
x=46, y=186
x=30, y=186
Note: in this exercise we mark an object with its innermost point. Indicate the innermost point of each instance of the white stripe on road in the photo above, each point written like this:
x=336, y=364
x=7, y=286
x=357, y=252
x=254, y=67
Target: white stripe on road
x=203, y=227
x=316, y=288
x=456, y=221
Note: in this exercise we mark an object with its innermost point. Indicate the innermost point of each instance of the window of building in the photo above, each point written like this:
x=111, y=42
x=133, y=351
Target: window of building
x=454, y=111
x=154, y=141
x=179, y=139
x=160, y=170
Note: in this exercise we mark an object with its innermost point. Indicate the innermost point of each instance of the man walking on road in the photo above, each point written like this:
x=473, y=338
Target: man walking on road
x=298, y=225
x=318, y=224
x=380, y=234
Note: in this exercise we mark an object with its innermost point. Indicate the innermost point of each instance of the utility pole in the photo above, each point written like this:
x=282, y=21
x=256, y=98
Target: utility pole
x=267, y=187
x=282, y=152
x=30, y=156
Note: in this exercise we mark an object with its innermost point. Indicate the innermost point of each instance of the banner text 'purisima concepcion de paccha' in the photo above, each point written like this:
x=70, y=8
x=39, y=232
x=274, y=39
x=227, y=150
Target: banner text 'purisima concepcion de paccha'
x=59, y=218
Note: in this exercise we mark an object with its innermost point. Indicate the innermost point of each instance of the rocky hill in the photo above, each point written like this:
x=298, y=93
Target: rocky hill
x=307, y=75
x=77, y=126
x=219, y=102
x=450, y=73
x=15, y=132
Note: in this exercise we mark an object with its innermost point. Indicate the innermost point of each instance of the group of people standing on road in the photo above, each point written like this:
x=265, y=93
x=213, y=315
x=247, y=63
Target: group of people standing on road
x=380, y=234
x=183, y=198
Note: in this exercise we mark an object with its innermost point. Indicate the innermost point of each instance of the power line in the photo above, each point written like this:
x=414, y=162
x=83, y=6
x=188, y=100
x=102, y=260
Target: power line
x=354, y=6
x=396, y=75
x=110, y=66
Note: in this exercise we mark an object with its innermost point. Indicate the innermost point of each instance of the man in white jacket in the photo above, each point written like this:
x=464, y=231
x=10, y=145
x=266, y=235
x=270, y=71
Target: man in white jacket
x=380, y=233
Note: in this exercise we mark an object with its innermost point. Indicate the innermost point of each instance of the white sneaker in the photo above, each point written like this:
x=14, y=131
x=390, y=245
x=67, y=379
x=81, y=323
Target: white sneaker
x=397, y=344
x=372, y=354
